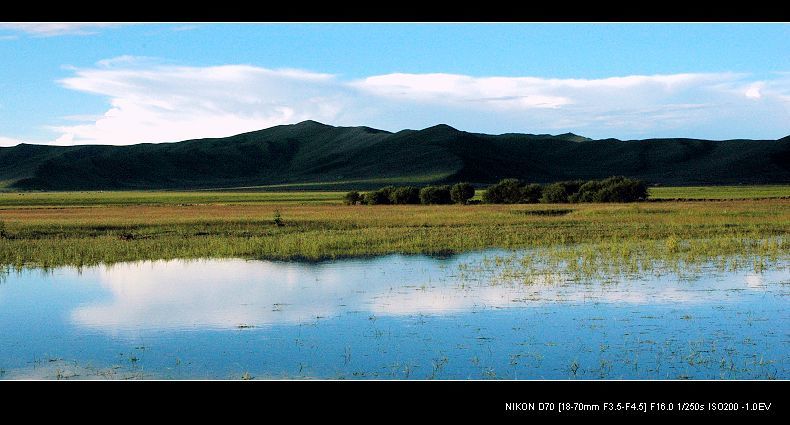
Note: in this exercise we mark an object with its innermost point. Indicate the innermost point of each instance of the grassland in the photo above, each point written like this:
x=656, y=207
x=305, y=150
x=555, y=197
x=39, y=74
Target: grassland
x=52, y=229
x=239, y=196
x=720, y=192
x=138, y=198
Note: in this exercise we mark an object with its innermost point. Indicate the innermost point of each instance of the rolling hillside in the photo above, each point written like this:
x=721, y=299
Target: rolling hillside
x=314, y=155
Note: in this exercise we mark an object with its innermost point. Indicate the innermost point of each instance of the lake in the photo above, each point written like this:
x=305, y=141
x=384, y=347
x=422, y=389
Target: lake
x=390, y=317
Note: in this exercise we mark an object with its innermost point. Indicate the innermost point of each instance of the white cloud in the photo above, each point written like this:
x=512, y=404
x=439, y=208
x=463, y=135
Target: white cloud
x=454, y=89
x=8, y=141
x=127, y=61
x=714, y=105
x=172, y=103
x=49, y=29
x=155, y=102
x=519, y=92
x=753, y=92
x=184, y=28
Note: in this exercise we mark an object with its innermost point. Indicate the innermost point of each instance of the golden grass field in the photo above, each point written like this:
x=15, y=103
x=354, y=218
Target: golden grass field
x=77, y=229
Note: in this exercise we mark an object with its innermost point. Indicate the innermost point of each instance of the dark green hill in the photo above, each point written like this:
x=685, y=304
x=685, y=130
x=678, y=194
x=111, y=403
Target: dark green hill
x=343, y=157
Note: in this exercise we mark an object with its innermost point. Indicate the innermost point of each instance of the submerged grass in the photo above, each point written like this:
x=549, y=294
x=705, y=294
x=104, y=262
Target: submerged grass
x=81, y=235
x=609, y=261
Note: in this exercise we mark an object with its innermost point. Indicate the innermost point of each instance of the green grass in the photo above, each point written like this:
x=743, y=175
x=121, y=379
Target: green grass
x=240, y=196
x=55, y=229
x=608, y=260
x=98, y=198
x=720, y=192
x=344, y=185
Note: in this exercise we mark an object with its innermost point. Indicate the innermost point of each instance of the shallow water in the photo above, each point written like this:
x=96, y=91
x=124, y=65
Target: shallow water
x=393, y=317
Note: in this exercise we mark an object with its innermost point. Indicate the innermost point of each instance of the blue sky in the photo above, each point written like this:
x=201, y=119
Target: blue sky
x=121, y=84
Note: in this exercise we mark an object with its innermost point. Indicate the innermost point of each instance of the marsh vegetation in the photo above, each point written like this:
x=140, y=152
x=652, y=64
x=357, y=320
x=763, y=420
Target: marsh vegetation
x=671, y=290
x=84, y=229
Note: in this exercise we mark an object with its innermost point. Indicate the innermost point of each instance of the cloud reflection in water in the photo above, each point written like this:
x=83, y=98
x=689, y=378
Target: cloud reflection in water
x=170, y=295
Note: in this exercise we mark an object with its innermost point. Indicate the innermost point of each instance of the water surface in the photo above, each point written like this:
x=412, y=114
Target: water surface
x=393, y=317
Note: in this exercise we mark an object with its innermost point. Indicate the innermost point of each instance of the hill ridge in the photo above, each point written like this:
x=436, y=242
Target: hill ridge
x=361, y=157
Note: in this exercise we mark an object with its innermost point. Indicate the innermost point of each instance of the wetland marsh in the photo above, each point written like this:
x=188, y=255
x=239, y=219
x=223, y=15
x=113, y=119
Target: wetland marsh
x=210, y=285
x=471, y=316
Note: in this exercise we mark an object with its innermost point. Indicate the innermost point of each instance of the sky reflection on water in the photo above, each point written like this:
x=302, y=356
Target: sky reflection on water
x=387, y=317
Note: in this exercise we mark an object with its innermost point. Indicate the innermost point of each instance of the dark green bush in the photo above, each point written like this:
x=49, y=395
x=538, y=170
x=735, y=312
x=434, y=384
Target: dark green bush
x=352, y=198
x=461, y=193
x=278, y=219
x=379, y=197
x=435, y=195
x=387, y=191
x=612, y=189
x=587, y=192
x=554, y=194
x=507, y=191
x=560, y=192
x=531, y=193
x=621, y=189
x=405, y=195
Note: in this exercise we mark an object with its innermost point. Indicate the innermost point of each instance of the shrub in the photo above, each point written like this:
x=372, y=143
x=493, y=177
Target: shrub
x=560, y=192
x=530, y=194
x=621, y=189
x=507, y=191
x=435, y=195
x=612, y=189
x=278, y=219
x=587, y=192
x=387, y=191
x=461, y=193
x=405, y=195
x=554, y=194
x=377, y=197
x=352, y=198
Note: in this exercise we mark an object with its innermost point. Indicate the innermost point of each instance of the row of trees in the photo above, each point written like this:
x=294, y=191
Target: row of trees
x=509, y=191
x=459, y=193
x=612, y=189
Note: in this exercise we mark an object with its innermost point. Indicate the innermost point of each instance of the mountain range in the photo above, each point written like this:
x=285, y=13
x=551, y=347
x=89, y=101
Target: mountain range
x=311, y=155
